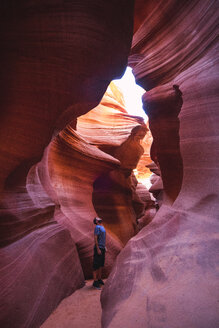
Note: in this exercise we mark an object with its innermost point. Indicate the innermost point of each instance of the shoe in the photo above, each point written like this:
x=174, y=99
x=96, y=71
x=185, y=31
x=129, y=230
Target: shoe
x=96, y=285
x=100, y=281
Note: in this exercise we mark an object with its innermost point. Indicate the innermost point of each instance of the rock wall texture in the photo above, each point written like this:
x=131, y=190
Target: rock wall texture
x=167, y=275
x=57, y=59
x=117, y=134
x=99, y=178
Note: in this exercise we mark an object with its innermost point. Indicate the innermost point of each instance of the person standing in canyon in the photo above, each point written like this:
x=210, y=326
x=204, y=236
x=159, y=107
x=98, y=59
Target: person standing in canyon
x=99, y=252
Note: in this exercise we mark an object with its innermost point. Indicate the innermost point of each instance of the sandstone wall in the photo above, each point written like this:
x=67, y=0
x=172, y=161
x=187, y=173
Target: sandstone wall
x=57, y=59
x=166, y=276
x=98, y=182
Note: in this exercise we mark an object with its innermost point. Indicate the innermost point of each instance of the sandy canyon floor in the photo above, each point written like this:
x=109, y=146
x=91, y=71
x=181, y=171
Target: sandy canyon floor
x=81, y=309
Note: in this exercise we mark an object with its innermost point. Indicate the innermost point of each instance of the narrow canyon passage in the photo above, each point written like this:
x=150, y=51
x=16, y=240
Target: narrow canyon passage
x=70, y=151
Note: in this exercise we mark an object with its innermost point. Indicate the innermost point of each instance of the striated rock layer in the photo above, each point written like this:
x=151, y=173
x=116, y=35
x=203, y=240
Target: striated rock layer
x=57, y=59
x=167, y=275
x=81, y=164
x=37, y=272
x=98, y=176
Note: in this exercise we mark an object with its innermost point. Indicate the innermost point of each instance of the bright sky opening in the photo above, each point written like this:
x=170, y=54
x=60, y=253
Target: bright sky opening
x=132, y=94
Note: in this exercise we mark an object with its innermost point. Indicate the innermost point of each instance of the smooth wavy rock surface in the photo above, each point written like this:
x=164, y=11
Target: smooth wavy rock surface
x=74, y=166
x=57, y=62
x=109, y=125
x=90, y=178
x=167, y=275
x=37, y=272
x=57, y=59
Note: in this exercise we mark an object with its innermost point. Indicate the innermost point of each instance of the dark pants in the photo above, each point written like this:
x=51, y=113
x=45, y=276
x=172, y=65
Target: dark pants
x=98, y=260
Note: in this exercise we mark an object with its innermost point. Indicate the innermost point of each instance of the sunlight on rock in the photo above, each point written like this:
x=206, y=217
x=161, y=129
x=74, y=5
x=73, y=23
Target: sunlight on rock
x=132, y=94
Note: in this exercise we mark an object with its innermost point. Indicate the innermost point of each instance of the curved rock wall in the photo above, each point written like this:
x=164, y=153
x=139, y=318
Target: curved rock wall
x=74, y=166
x=166, y=276
x=163, y=106
x=57, y=62
x=57, y=59
x=112, y=129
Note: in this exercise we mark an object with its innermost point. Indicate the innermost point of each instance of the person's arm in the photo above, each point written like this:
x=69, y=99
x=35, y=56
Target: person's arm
x=105, y=244
x=96, y=243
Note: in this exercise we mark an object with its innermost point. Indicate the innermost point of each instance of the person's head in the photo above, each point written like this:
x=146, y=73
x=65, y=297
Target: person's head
x=97, y=220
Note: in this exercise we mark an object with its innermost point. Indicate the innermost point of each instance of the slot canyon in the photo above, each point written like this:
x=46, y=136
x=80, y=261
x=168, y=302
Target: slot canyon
x=70, y=151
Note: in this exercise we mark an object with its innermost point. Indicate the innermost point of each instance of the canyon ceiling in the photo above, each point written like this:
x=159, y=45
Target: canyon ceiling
x=68, y=149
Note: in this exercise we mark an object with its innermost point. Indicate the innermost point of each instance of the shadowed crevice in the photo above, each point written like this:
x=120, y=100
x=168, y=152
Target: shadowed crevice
x=163, y=105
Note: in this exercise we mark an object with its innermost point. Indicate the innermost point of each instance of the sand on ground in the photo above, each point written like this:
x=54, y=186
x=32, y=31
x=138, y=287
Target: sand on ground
x=81, y=309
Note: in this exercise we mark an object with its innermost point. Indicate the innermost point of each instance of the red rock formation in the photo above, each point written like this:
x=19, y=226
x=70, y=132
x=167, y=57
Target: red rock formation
x=166, y=276
x=106, y=126
x=143, y=172
x=74, y=166
x=148, y=211
x=163, y=107
x=37, y=272
x=157, y=187
x=130, y=151
x=112, y=127
x=109, y=127
x=48, y=78
x=57, y=59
